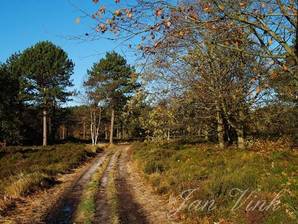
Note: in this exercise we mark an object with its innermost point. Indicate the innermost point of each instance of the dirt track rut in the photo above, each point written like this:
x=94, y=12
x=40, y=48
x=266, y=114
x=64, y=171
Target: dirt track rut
x=130, y=210
x=63, y=212
x=136, y=202
x=102, y=212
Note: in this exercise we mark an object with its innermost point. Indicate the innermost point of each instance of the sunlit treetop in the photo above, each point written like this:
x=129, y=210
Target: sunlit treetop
x=153, y=25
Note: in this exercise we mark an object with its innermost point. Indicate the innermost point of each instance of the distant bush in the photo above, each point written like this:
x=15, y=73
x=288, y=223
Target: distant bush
x=97, y=148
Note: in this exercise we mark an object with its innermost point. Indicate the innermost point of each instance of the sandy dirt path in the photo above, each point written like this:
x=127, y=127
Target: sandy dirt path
x=130, y=210
x=35, y=209
x=102, y=212
x=64, y=210
x=137, y=203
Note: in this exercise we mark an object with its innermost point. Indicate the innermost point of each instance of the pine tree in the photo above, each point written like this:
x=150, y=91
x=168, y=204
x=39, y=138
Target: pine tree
x=47, y=69
x=111, y=82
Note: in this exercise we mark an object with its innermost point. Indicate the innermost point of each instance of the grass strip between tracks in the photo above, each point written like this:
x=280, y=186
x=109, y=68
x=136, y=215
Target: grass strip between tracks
x=86, y=209
x=112, y=195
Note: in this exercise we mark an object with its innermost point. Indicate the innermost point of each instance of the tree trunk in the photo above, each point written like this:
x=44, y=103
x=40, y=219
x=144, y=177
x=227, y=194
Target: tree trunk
x=97, y=128
x=240, y=138
x=199, y=132
x=206, y=133
x=84, y=130
x=45, y=137
x=112, y=126
x=106, y=133
x=52, y=124
x=122, y=131
x=240, y=131
x=220, y=129
x=50, y=127
x=63, y=132
x=92, y=127
x=117, y=132
x=124, y=134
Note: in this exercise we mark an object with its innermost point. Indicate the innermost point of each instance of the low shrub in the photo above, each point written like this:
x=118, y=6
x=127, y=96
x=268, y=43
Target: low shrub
x=154, y=167
x=265, y=170
x=25, y=169
x=23, y=184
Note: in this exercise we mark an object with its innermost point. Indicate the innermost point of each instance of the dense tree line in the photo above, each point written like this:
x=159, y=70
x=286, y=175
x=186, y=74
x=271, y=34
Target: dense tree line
x=34, y=85
x=34, y=90
x=224, y=70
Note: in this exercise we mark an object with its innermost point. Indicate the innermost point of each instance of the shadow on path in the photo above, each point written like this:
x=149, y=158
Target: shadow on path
x=64, y=211
x=130, y=211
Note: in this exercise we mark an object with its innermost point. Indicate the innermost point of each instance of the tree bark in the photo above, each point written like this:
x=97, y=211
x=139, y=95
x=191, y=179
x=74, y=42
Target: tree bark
x=106, y=133
x=220, y=129
x=45, y=136
x=92, y=127
x=240, y=138
x=97, y=128
x=112, y=126
x=206, y=133
x=122, y=132
x=63, y=132
x=240, y=131
x=117, y=132
x=168, y=135
x=50, y=127
x=84, y=130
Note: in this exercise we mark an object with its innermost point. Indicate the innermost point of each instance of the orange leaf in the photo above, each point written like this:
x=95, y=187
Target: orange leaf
x=102, y=10
x=118, y=12
x=285, y=68
x=158, y=12
x=168, y=23
x=129, y=14
x=242, y=4
x=274, y=75
x=221, y=7
x=103, y=27
x=206, y=8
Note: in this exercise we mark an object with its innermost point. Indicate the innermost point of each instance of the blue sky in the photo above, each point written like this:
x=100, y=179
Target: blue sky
x=25, y=22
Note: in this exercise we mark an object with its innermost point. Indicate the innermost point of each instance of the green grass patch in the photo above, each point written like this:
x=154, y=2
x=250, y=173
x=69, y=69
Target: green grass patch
x=172, y=169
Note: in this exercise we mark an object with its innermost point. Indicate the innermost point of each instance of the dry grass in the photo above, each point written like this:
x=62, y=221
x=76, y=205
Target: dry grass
x=24, y=170
x=282, y=144
x=172, y=169
x=22, y=184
